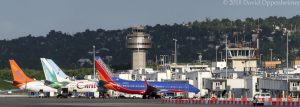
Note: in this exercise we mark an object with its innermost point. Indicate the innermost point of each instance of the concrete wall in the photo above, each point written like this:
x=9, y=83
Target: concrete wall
x=250, y=83
x=158, y=76
x=236, y=83
x=207, y=83
x=126, y=76
x=161, y=76
x=219, y=65
x=198, y=80
x=239, y=65
x=138, y=59
x=236, y=87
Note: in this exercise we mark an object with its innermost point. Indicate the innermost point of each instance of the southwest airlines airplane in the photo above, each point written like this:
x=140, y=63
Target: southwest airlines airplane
x=59, y=79
x=23, y=82
x=139, y=87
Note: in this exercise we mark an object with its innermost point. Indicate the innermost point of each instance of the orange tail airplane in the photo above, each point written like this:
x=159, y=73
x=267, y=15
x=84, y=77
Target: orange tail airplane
x=23, y=82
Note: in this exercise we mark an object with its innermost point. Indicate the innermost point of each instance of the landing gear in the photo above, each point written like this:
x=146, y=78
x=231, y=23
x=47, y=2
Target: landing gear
x=145, y=96
x=151, y=96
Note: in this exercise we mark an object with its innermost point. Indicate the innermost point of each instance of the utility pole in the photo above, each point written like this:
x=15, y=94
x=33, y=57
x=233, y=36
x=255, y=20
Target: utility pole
x=287, y=55
x=226, y=54
x=260, y=60
x=221, y=53
x=217, y=53
x=94, y=61
x=271, y=58
x=287, y=51
x=175, y=55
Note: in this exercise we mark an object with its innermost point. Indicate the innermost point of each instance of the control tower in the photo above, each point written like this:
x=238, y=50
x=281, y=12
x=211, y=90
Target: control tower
x=138, y=42
x=243, y=58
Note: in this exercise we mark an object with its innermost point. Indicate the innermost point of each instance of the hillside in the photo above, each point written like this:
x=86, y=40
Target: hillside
x=193, y=38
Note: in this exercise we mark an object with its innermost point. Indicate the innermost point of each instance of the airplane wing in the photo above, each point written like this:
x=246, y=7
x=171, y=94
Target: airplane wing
x=8, y=81
x=151, y=89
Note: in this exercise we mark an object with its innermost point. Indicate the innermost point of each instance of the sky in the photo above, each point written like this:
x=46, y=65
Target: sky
x=37, y=17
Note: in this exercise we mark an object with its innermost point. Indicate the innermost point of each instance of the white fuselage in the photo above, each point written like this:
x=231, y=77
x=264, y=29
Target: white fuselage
x=37, y=86
x=82, y=86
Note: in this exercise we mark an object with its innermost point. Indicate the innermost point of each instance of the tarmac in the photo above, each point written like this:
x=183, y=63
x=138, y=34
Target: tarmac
x=86, y=102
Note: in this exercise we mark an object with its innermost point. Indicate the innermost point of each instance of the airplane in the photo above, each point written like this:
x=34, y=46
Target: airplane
x=23, y=82
x=59, y=79
x=145, y=88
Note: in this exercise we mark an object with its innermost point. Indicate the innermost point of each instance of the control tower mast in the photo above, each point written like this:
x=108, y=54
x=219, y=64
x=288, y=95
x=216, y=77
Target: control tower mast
x=138, y=42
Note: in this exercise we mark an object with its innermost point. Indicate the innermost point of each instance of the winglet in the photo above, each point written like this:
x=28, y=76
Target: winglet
x=19, y=77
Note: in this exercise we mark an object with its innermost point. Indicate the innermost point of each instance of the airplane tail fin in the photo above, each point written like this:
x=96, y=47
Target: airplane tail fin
x=103, y=72
x=146, y=83
x=60, y=75
x=48, y=71
x=19, y=77
x=57, y=69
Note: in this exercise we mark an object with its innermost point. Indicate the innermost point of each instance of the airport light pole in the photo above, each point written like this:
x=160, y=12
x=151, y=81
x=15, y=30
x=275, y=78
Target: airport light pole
x=175, y=55
x=271, y=54
x=288, y=33
x=163, y=60
x=287, y=55
x=221, y=53
x=260, y=60
x=217, y=53
x=226, y=54
x=94, y=61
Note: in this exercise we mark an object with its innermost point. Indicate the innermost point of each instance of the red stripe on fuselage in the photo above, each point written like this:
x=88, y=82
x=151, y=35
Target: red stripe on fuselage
x=117, y=87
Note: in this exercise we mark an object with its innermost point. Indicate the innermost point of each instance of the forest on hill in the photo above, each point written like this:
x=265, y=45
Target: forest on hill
x=197, y=37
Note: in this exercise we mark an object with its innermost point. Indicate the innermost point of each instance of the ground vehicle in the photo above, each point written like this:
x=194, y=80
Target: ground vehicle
x=173, y=96
x=262, y=95
x=133, y=96
x=169, y=95
x=257, y=99
x=33, y=94
x=63, y=93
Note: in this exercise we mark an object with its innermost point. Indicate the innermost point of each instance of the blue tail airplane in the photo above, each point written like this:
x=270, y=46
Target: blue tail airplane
x=144, y=88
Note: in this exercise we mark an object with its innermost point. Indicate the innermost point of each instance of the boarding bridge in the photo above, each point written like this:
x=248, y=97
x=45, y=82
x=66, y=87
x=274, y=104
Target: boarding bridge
x=277, y=87
x=216, y=87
